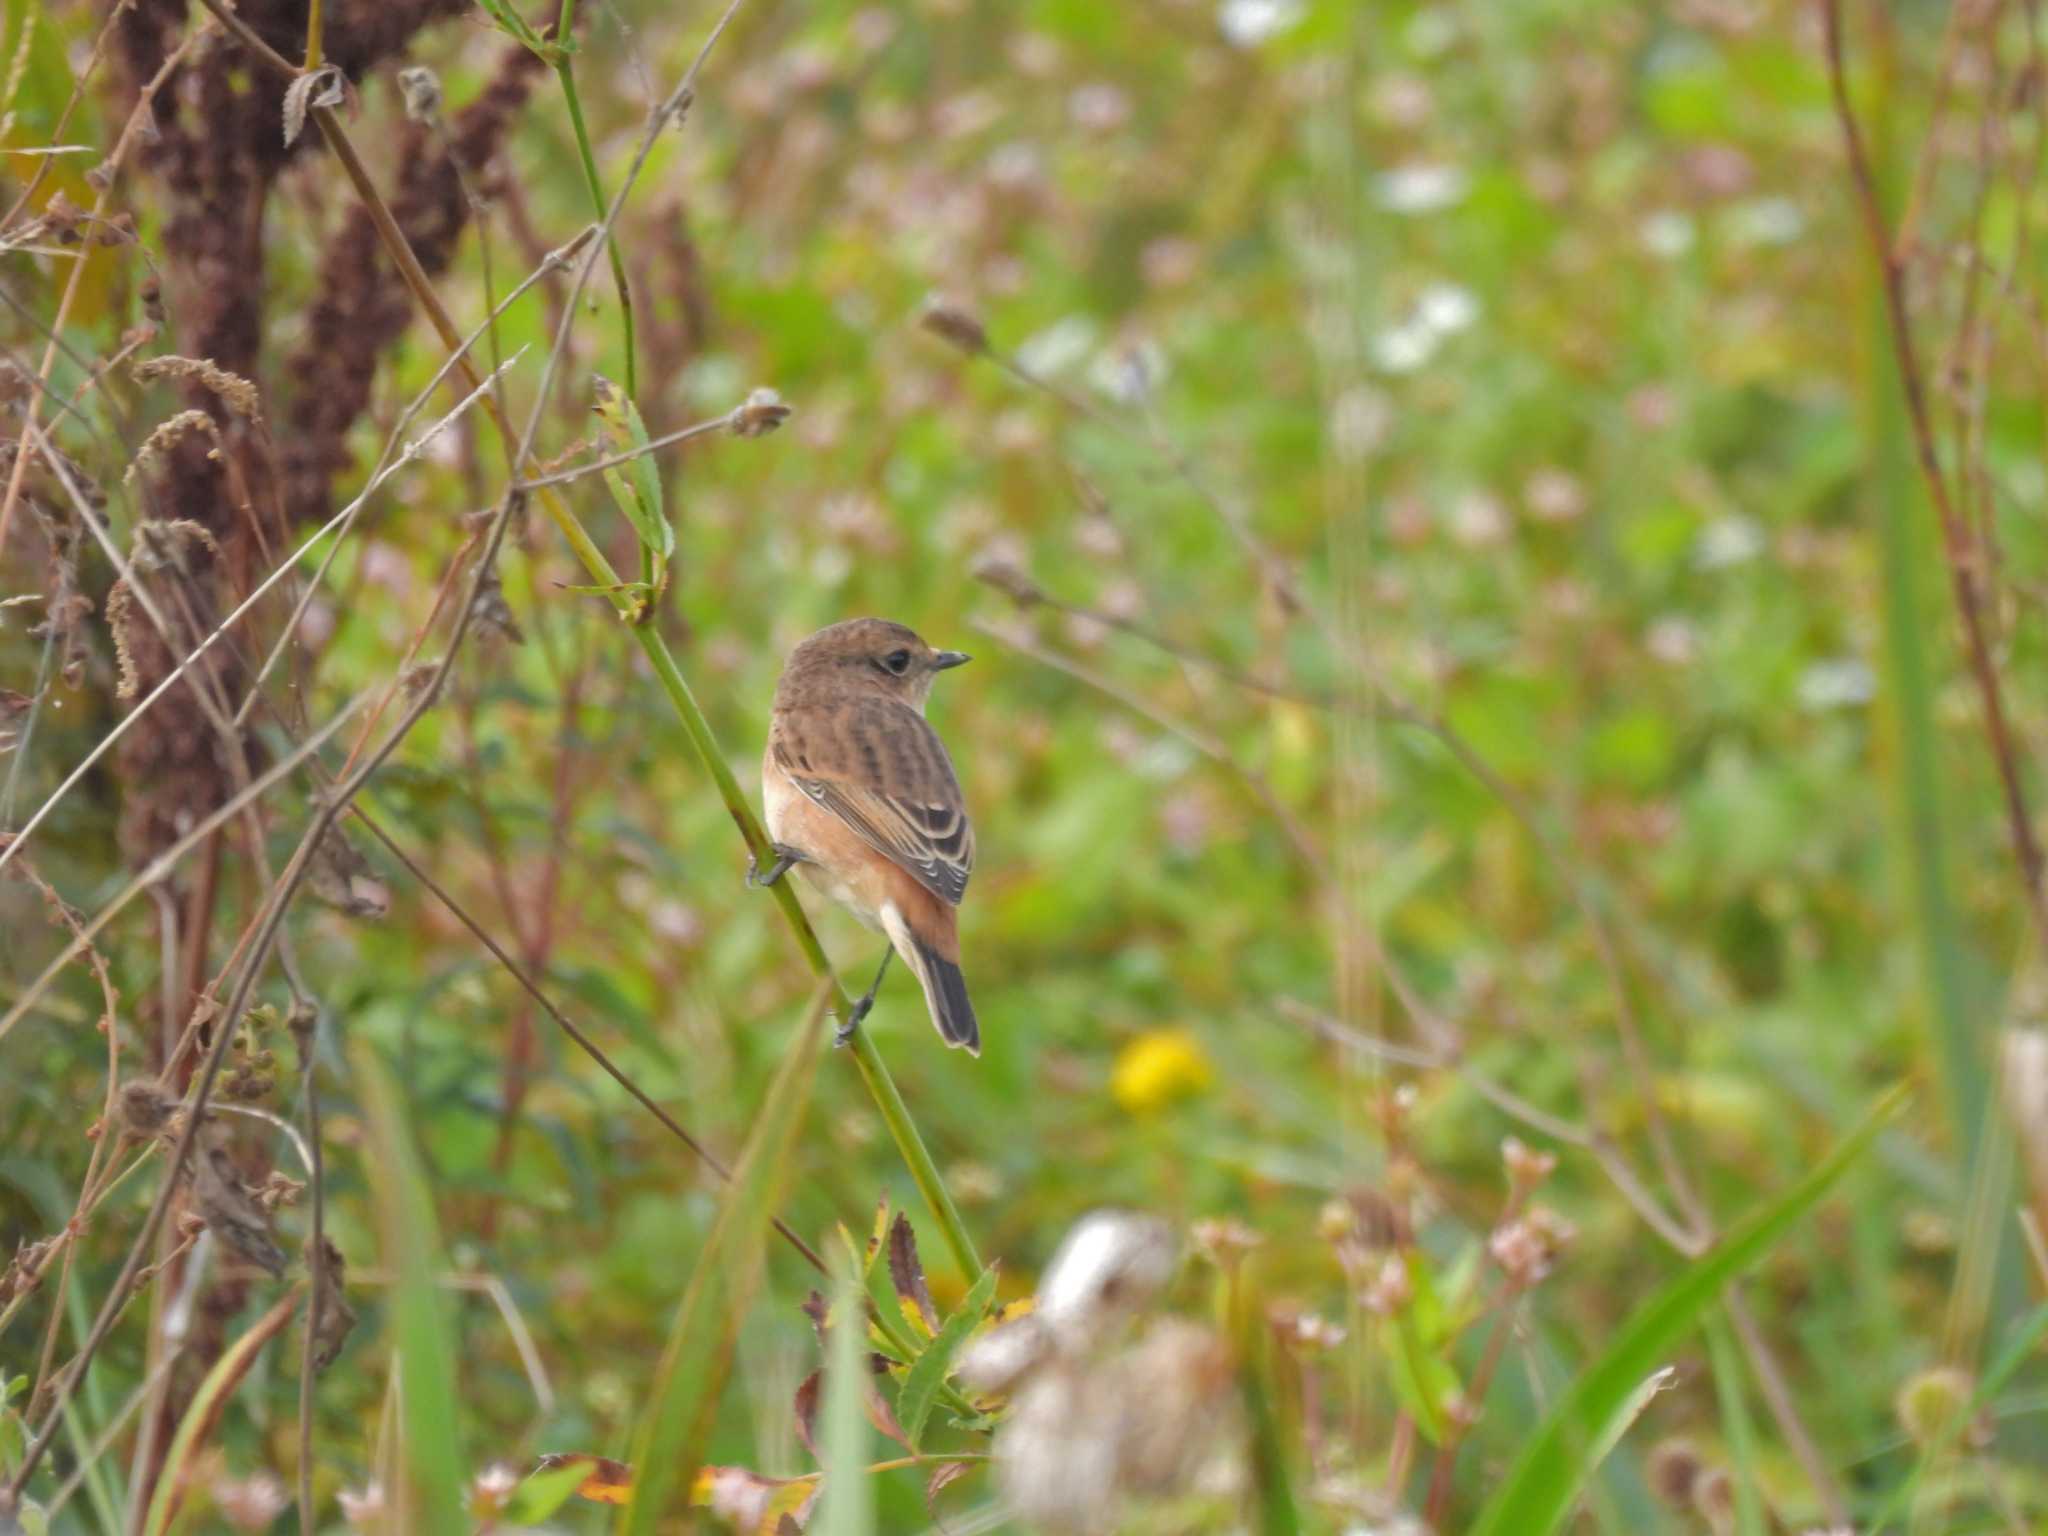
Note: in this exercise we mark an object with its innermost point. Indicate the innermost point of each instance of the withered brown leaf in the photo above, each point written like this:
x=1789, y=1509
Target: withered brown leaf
x=943, y=1477
x=224, y=1202
x=907, y=1273
x=322, y=88
x=805, y=1406
x=337, y=1317
x=341, y=877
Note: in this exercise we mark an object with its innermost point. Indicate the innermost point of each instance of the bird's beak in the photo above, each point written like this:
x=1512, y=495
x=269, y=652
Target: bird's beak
x=945, y=659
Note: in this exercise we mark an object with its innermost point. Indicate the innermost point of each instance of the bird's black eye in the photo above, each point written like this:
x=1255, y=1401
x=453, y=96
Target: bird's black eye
x=897, y=662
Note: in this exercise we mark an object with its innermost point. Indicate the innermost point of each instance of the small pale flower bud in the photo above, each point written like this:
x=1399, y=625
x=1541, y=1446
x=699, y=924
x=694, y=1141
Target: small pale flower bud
x=1391, y=1290
x=1526, y=1166
x=1930, y=1400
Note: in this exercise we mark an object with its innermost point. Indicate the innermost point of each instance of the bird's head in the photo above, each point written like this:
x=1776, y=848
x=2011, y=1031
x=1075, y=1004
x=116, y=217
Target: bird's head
x=869, y=656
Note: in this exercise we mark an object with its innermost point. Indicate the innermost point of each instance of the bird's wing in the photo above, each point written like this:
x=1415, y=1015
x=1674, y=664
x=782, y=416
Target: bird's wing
x=879, y=767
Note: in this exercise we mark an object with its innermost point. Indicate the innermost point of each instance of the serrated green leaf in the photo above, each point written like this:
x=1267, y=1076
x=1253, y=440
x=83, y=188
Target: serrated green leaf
x=636, y=484
x=928, y=1372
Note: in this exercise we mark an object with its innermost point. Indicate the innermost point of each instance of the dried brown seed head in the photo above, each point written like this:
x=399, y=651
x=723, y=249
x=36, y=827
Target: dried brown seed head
x=1009, y=578
x=956, y=324
x=761, y=413
x=421, y=89
x=145, y=1106
x=1673, y=1470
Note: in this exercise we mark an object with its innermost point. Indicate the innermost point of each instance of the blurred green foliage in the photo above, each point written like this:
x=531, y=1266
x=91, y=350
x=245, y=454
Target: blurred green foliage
x=1537, y=341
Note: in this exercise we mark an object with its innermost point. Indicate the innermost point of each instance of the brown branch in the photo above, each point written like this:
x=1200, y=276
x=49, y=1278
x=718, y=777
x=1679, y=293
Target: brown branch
x=1964, y=575
x=265, y=929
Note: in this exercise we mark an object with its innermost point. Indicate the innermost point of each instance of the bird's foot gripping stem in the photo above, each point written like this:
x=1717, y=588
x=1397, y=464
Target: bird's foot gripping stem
x=862, y=1005
x=786, y=859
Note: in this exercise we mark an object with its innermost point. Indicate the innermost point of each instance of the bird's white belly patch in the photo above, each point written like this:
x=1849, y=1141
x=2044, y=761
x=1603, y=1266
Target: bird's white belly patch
x=789, y=813
x=827, y=883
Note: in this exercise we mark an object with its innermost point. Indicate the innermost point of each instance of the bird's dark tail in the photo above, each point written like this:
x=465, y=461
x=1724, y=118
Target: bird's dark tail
x=945, y=993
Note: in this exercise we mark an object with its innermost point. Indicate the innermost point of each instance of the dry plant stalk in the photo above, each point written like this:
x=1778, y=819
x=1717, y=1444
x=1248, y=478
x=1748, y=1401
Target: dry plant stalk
x=1962, y=551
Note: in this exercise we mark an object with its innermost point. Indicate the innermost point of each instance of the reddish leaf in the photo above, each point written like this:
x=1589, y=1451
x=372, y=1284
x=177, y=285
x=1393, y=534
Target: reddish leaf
x=814, y=1309
x=907, y=1273
x=943, y=1476
x=806, y=1406
x=883, y=1417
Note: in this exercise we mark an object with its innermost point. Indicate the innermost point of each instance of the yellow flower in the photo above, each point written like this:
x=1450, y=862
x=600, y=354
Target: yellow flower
x=1156, y=1068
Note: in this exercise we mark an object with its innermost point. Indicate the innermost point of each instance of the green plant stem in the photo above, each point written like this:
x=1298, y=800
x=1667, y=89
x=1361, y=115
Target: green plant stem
x=873, y=1070
x=1736, y=1426
x=881, y=1087
x=565, y=71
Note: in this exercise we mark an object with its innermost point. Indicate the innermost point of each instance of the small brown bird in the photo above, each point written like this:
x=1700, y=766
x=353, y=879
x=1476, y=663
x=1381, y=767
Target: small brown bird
x=862, y=798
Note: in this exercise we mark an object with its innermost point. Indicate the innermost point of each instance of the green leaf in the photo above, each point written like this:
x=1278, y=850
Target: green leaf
x=1270, y=1483
x=431, y=1403
x=512, y=24
x=1554, y=1465
x=2022, y=1340
x=847, y=1505
x=639, y=589
x=1737, y=1427
x=13, y=1432
x=636, y=484
x=668, y=1444
x=544, y=1492
x=888, y=1334
x=1423, y=1380
x=928, y=1373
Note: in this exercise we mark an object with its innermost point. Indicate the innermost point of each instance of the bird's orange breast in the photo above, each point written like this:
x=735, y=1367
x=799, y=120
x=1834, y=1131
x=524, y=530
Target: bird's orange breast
x=840, y=864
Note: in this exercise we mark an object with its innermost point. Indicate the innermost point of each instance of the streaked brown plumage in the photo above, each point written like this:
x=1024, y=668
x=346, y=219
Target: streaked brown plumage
x=861, y=796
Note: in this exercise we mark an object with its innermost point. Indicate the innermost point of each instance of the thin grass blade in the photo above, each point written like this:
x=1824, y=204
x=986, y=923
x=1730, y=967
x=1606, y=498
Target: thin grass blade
x=669, y=1443
x=847, y=1506
x=196, y=1427
x=1555, y=1465
x=430, y=1403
